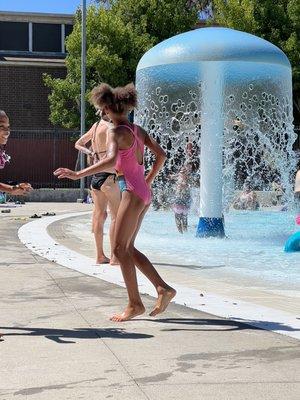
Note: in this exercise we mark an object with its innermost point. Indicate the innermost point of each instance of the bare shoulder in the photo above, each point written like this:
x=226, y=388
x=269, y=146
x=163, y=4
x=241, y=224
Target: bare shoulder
x=142, y=133
x=142, y=130
x=120, y=132
x=113, y=133
x=117, y=131
x=102, y=126
x=92, y=129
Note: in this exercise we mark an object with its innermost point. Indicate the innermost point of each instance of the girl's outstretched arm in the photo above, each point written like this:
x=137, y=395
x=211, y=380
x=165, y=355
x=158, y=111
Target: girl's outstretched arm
x=18, y=190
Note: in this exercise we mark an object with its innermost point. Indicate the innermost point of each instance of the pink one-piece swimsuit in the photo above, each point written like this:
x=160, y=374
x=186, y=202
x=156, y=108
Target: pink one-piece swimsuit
x=134, y=173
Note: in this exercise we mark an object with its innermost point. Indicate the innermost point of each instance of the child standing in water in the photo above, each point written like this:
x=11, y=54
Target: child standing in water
x=125, y=152
x=183, y=200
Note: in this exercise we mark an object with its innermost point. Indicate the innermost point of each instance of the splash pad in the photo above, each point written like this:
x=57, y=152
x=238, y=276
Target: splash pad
x=220, y=100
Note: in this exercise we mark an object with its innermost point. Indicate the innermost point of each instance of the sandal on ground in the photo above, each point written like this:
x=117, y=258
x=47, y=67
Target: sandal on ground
x=35, y=216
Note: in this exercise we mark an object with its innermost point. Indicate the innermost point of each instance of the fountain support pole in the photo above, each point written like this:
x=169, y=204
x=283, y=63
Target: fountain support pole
x=212, y=125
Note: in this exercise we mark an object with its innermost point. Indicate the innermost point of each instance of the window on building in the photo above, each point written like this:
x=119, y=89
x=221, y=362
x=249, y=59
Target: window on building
x=14, y=36
x=68, y=30
x=47, y=37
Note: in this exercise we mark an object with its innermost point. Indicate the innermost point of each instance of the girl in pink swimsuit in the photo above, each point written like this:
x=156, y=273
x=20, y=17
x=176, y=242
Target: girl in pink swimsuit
x=125, y=151
x=131, y=174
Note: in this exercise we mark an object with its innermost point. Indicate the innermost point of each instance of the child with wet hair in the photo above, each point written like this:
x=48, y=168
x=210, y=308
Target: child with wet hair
x=125, y=152
x=22, y=188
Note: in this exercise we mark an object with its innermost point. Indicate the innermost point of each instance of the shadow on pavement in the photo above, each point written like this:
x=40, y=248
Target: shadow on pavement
x=271, y=325
x=189, y=266
x=201, y=324
x=62, y=335
x=206, y=324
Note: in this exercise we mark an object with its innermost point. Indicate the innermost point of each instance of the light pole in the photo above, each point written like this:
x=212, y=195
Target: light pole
x=83, y=85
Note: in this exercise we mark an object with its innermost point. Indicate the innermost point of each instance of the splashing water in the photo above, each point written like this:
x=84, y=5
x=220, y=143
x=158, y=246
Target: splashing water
x=258, y=146
x=258, y=125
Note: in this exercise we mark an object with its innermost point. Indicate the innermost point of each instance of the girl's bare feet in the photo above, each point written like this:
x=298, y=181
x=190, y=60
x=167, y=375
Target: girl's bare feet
x=114, y=261
x=163, y=300
x=129, y=313
x=103, y=260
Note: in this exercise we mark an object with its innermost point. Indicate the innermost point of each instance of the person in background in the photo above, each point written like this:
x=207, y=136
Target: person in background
x=247, y=200
x=104, y=189
x=16, y=190
x=20, y=189
x=183, y=199
x=278, y=192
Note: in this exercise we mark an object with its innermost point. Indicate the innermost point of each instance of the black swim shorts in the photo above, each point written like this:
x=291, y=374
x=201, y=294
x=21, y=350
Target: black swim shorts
x=99, y=179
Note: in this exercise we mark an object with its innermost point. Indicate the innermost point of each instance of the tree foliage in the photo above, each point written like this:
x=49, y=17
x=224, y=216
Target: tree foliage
x=276, y=21
x=113, y=51
x=161, y=19
x=119, y=32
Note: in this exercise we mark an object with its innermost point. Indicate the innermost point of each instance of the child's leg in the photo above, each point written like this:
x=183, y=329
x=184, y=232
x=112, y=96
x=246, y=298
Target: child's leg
x=112, y=192
x=126, y=223
x=98, y=219
x=164, y=291
x=178, y=222
x=184, y=222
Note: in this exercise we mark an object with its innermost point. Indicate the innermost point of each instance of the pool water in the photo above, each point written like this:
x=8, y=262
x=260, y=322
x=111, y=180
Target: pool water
x=253, y=247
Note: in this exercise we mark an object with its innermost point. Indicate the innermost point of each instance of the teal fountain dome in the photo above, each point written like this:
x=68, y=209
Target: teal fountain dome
x=220, y=103
x=213, y=44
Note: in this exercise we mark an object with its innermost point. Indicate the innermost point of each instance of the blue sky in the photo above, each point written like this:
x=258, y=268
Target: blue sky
x=42, y=6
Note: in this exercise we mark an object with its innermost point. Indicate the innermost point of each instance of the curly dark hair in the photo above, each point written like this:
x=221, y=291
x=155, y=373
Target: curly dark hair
x=118, y=100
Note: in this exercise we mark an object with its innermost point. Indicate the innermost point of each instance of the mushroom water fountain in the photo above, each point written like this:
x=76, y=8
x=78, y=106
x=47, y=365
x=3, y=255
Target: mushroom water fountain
x=221, y=100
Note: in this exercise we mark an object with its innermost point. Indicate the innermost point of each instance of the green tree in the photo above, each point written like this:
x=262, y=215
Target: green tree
x=119, y=32
x=113, y=51
x=161, y=19
x=276, y=21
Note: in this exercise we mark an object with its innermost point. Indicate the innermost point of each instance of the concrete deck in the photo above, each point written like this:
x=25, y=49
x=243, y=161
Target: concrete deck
x=59, y=343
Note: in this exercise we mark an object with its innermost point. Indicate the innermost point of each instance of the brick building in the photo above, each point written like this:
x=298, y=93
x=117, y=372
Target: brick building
x=30, y=45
